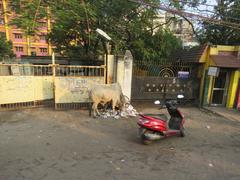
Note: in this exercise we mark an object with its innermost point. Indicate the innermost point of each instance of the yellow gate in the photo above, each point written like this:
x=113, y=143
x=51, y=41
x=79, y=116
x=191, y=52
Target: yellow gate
x=25, y=85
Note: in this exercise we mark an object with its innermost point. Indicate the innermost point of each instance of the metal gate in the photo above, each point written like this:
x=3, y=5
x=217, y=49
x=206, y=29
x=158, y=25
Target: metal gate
x=65, y=86
x=153, y=80
x=25, y=85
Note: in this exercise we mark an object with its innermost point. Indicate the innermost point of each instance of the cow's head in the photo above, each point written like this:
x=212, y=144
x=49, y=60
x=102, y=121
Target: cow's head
x=124, y=101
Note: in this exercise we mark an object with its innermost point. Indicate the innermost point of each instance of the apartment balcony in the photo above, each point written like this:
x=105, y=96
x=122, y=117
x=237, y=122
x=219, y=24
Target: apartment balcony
x=42, y=28
x=42, y=54
x=19, y=40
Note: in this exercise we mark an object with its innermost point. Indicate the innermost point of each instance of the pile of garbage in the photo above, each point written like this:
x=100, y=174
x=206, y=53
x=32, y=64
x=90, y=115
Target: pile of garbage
x=128, y=111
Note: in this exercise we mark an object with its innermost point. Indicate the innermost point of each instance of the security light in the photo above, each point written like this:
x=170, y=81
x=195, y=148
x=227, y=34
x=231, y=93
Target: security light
x=102, y=33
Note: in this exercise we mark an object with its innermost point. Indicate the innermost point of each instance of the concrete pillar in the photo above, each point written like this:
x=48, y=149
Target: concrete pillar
x=124, y=73
x=110, y=69
x=120, y=70
x=233, y=88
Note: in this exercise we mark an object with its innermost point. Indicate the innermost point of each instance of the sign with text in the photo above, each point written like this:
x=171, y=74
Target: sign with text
x=213, y=71
x=183, y=74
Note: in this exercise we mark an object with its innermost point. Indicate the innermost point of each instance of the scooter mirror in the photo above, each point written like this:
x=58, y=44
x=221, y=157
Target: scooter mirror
x=157, y=102
x=180, y=96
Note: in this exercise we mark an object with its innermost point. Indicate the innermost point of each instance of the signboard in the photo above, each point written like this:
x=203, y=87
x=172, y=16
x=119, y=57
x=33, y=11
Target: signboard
x=183, y=74
x=213, y=71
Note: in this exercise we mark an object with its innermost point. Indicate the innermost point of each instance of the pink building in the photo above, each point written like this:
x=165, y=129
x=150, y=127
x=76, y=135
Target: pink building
x=37, y=46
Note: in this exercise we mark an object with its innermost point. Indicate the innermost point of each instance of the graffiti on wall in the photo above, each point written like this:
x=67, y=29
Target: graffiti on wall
x=74, y=89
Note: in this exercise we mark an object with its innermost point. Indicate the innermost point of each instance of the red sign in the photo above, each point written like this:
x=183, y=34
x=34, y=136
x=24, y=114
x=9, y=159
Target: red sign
x=238, y=102
x=238, y=96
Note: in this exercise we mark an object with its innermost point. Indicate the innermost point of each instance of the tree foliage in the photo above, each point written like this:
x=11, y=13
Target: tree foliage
x=159, y=45
x=130, y=25
x=5, y=48
x=226, y=10
x=28, y=15
x=72, y=32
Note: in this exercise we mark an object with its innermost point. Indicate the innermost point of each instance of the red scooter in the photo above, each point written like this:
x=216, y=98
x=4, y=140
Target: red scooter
x=156, y=126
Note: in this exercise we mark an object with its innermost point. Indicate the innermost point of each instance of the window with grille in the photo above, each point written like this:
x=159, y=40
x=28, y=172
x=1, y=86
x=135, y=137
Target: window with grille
x=19, y=49
x=1, y=21
x=43, y=50
x=42, y=24
x=17, y=36
x=42, y=37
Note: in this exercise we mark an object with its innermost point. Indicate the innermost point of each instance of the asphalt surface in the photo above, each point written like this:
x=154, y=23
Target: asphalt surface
x=43, y=144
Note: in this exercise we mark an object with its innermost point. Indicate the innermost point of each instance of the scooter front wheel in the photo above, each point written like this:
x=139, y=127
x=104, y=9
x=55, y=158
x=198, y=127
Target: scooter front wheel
x=142, y=133
x=146, y=142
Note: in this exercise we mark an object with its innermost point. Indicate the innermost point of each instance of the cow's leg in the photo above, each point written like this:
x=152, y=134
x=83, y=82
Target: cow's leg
x=90, y=109
x=114, y=103
x=95, y=109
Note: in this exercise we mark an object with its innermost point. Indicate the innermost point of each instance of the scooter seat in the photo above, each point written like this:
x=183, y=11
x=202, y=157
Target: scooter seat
x=162, y=117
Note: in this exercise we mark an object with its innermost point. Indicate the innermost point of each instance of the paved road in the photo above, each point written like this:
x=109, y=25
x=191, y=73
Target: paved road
x=45, y=144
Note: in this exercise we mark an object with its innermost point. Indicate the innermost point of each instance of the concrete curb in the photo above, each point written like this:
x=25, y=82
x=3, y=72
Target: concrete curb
x=227, y=116
x=210, y=111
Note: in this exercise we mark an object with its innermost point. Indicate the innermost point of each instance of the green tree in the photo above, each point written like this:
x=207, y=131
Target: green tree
x=226, y=10
x=159, y=45
x=73, y=30
x=130, y=25
x=28, y=17
x=5, y=48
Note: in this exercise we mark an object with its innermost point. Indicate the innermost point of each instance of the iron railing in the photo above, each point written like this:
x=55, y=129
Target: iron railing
x=62, y=70
x=25, y=70
x=161, y=69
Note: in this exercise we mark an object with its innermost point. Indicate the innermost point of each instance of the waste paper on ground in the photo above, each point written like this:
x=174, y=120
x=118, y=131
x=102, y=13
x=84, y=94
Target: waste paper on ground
x=128, y=111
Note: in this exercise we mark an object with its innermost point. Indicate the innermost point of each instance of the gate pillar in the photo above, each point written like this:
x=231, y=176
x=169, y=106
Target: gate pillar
x=124, y=73
x=110, y=69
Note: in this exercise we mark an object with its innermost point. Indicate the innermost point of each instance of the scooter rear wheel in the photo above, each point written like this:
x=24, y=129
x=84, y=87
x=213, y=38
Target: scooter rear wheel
x=182, y=132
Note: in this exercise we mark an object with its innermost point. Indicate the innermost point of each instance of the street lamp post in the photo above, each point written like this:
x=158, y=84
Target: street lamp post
x=108, y=38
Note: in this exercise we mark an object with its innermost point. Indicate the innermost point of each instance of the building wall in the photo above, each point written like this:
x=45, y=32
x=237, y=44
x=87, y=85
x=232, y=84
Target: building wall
x=182, y=30
x=207, y=81
x=37, y=44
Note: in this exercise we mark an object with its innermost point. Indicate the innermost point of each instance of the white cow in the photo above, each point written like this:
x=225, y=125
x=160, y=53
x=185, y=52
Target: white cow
x=104, y=93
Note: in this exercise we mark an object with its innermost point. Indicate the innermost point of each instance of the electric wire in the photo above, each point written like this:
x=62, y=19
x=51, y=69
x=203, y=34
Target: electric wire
x=209, y=5
x=217, y=7
x=190, y=15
